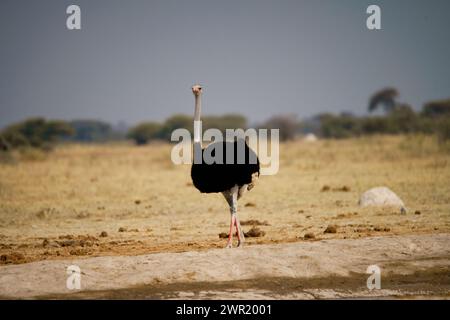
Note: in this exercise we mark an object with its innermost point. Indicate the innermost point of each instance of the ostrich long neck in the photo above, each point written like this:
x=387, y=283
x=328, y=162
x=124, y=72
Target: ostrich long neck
x=197, y=123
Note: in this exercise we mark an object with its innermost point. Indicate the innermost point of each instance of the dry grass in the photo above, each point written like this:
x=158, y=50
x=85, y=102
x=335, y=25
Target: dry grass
x=59, y=205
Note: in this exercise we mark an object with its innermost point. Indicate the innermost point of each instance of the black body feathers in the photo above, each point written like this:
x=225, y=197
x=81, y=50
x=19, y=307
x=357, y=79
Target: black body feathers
x=219, y=177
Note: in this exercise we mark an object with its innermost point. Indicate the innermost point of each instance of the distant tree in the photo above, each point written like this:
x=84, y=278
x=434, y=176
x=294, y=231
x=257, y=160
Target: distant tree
x=403, y=119
x=339, y=126
x=35, y=132
x=91, y=130
x=385, y=98
x=443, y=130
x=55, y=129
x=148, y=131
x=438, y=108
x=144, y=132
x=287, y=124
x=175, y=122
x=4, y=145
x=375, y=125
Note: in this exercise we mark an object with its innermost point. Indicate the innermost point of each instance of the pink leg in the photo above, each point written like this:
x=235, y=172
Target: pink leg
x=230, y=236
x=240, y=236
x=237, y=230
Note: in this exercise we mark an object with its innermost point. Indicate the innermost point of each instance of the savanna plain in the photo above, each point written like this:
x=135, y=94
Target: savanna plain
x=108, y=200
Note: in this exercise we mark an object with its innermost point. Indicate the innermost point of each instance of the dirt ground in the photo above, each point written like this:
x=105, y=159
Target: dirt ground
x=410, y=266
x=82, y=201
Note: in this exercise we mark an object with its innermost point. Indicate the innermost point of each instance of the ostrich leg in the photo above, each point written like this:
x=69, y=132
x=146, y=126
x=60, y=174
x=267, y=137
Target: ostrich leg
x=231, y=196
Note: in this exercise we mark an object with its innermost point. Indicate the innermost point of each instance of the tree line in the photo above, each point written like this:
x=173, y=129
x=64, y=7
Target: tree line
x=395, y=118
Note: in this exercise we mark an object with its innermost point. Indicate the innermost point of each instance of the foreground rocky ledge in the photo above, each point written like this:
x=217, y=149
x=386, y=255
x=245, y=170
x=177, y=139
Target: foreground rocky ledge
x=411, y=266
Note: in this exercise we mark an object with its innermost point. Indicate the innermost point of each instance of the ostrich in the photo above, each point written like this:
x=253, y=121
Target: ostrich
x=232, y=180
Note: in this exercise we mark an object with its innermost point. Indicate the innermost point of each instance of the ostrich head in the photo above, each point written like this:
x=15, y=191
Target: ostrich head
x=197, y=90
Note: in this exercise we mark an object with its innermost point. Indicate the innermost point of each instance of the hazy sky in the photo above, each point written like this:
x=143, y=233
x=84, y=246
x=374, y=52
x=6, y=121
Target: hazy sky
x=136, y=60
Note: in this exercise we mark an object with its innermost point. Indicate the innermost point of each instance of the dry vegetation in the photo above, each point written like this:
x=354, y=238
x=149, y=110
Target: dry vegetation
x=95, y=200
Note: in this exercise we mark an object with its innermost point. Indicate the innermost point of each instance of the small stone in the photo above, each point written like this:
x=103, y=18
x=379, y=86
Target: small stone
x=103, y=234
x=331, y=229
x=254, y=233
x=309, y=236
x=223, y=235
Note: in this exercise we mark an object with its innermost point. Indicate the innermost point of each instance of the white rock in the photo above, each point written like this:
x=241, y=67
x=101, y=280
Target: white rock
x=380, y=196
x=310, y=137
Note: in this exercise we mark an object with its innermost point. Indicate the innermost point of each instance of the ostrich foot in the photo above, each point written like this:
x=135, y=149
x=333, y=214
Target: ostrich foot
x=241, y=240
x=229, y=245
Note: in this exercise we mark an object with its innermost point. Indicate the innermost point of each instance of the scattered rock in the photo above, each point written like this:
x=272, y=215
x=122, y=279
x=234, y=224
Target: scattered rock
x=67, y=236
x=14, y=257
x=417, y=212
x=381, y=196
x=254, y=232
x=379, y=229
x=137, y=201
x=342, y=189
x=84, y=243
x=337, y=189
x=254, y=222
x=309, y=236
x=83, y=215
x=250, y=204
x=87, y=237
x=223, y=235
x=346, y=215
x=78, y=252
x=103, y=234
x=122, y=229
x=45, y=242
x=67, y=243
x=331, y=229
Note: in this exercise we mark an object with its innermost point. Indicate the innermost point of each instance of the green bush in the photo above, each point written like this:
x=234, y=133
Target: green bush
x=145, y=132
x=287, y=124
x=443, y=130
x=437, y=108
x=34, y=132
x=175, y=122
x=340, y=126
x=91, y=131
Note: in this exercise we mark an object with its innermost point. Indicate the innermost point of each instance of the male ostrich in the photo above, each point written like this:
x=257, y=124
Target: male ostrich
x=231, y=179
